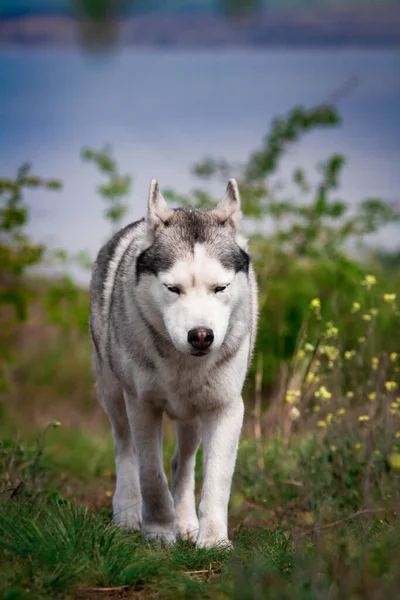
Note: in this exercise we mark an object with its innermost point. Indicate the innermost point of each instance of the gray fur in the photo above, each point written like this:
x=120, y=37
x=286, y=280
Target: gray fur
x=142, y=372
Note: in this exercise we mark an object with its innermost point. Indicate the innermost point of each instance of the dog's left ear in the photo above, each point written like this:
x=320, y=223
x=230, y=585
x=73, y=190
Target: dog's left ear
x=229, y=207
x=158, y=211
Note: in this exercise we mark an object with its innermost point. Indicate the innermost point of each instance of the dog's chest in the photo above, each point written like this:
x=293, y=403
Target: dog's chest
x=191, y=392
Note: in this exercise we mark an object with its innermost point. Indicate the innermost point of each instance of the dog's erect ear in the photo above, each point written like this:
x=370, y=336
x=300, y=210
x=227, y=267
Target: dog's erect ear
x=229, y=207
x=158, y=211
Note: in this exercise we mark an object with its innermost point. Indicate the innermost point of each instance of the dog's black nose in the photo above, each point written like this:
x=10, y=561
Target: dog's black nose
x=201, y=338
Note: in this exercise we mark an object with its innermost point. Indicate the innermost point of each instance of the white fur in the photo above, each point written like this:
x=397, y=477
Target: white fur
x=202, y=394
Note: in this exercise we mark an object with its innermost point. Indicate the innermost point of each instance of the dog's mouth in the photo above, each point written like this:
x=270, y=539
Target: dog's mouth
x=199, y=353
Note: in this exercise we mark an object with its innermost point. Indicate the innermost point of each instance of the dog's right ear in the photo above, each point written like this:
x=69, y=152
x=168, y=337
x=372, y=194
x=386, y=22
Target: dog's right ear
x=158, y=211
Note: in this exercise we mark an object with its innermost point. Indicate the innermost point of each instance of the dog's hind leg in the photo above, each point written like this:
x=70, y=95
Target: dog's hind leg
x=183, y=483
x=158, y=506
x=127, y=501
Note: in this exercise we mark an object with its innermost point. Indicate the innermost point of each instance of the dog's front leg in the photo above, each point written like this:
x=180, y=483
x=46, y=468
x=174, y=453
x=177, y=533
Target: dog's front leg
x=158, y=514
x=220, y=434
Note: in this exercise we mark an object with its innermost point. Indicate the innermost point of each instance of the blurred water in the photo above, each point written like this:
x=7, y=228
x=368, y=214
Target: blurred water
x=162, y=111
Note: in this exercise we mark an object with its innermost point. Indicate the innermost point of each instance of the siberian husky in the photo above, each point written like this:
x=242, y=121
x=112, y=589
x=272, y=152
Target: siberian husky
x=173, y=321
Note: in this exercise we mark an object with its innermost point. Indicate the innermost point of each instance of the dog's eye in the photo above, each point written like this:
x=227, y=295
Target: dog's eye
x=173, y=289
x=220, y=288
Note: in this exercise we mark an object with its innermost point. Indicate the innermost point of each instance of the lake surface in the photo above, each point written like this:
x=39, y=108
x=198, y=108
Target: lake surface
x=162, y=111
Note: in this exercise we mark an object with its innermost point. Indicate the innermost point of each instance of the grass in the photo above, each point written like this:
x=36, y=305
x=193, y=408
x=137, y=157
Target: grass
x=315, y=497
x=300, y=526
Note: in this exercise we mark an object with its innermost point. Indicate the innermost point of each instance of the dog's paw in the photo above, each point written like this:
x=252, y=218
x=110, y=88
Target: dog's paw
x=127, y=515
x=213, y=542
x=161, y=534
x=188, y=529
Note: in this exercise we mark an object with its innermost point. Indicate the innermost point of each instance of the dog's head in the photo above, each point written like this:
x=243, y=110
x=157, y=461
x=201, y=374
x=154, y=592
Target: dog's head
x=193, y=270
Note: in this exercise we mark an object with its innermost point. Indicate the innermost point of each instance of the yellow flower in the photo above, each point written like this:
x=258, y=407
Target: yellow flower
x=366, y=317
x=397, y=435
x=310, y=377
x=395, y=460
x=321, y=424
x=333, y=448
x=341, y=411
x=301, y=354
x=323, y=393
x=55, y=424
x=377, y=452
x=309, y=347
x=369, y=281
x=391, y=386
x=316, y=408
x=374, y=312
x=315, y=303
x=363, y=418
x=372, y=396
x=389, y=298
x=374, y=363
x=394, y=405
x=294, y=412
x=393, y=356
x=349, y=354
x=357, y=446
x=292, y=396
x=108, y=493
x=331, y=352
x=350, y=395
x=356, y=307
x=361, y=339
x=331, y=330
x=329, y=418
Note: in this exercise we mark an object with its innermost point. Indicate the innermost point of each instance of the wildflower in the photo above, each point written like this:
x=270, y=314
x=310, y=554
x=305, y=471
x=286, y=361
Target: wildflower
x=393, y=356
x=361, y=339
x=323, y=393
x=389, y=298
x=377, y=452
x=356, y=307
x=374, y=363
x=316, y=408
x=369, y=281
x=391, y=386
x=394, y=405
x=350, y=395
x=374, y=312
x=372, y=396
x=294, y=412
x=321, y=424
x=315, y=304
x=357, y=446
x=397, y=435
x=341, y=411
x=301, y=354
x=331, y=330
x=349, y=354
x=330, y=351
x=333, y=448
x=309, y=347
x=363, y=418
x=329, y=418
x=310, y=377
x=108, y=493
x=55, y=423
x=366, y=317
x=292, y=396
x=395, y=460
